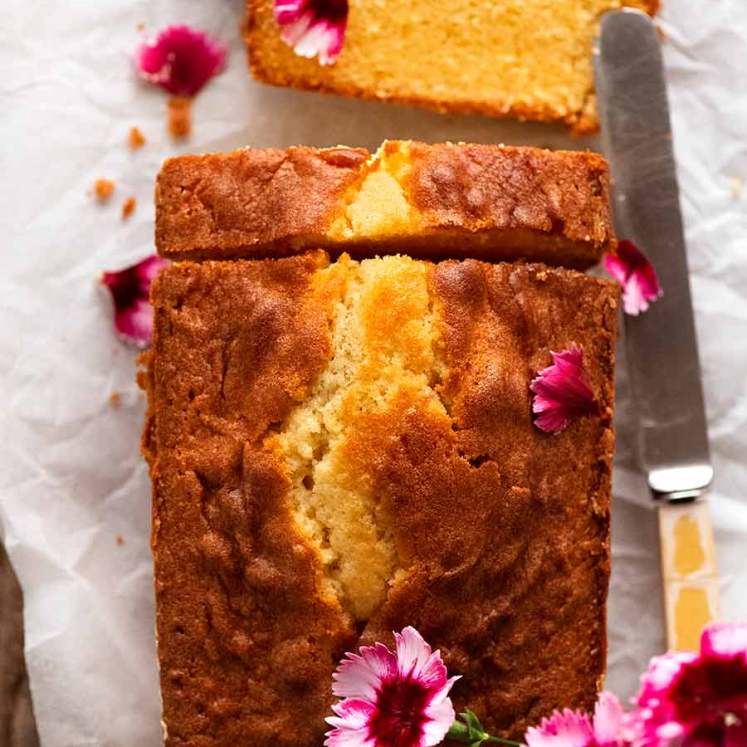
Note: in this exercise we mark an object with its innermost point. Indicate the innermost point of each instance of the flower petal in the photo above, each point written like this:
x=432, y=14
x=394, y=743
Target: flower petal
x=561, y=393
x=608, y=719
x=563, y=729
x=181, y=60
x=313, y=28
x=724, y=639
x=416, y=659
x=360, y=676
x=130, y=291
x=441, y=715
x=662, y=671
x=630, y=267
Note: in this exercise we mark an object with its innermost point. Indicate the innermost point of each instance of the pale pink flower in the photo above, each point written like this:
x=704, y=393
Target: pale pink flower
x=697, y=700
x=561, y=392
x=576, y=729
x=314, y=28
x=630, y=267
x=130, y=289
x=391, y=699
x=181, y=60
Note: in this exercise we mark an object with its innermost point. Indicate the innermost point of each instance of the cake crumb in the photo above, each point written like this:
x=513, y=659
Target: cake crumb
x=135, y=139
x=115, y=400
x=736, y=187
x=140, y=27
x=119, y=540
x=103, y=189
x=180, y=116
x=128, y=207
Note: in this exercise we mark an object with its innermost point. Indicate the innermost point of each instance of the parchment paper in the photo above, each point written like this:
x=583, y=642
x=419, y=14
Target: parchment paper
x=74, y=494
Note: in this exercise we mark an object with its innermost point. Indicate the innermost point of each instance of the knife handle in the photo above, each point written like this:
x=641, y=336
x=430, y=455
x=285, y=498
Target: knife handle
x=688, y=569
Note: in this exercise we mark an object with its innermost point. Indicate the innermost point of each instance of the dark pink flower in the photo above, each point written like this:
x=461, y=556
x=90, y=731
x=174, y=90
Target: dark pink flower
x=391, y=699
x=314, y=28
x=561, y=393
x=576, y=729
x=636, y=274
x=130, y=289
x=697, y=700
x=181, y=60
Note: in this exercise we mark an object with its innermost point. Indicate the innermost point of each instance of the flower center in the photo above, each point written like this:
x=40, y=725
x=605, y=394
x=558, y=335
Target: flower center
x=330, y=10
x=400, y=713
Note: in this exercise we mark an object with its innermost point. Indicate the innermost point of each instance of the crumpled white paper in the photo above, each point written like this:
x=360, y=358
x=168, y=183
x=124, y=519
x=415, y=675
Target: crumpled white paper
x=74, y=501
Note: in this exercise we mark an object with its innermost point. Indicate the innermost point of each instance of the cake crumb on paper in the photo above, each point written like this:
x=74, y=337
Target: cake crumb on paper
x=135, y=139
x=736, y=186
x=115, y=400
x=119, y=540
x=180, y=116
x=103, y=189
x=128, y=207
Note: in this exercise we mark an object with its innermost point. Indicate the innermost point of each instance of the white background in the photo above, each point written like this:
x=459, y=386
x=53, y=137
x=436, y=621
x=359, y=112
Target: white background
x=71, y=478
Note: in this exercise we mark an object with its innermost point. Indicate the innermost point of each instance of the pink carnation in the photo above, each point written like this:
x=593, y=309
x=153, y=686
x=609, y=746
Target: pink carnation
x=697, y=700
x=640, y=284
x=314, y=28
x=181, y=60
x=561, y=392
x=391, y=699
x=130, y=291
x=576, y=729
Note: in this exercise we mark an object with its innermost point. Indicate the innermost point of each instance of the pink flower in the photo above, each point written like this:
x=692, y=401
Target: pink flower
x=575, y=729
x=561, y=393
x=130, y=289
x=636, y=274
x=314, y=28
x=181, y=60
x=391, y=699
x=697, y=700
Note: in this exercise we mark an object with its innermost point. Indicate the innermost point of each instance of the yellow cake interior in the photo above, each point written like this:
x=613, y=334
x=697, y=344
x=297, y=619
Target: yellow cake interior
x=529, y=58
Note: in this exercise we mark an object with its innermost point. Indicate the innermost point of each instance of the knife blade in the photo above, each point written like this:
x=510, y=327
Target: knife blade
x=661, y=345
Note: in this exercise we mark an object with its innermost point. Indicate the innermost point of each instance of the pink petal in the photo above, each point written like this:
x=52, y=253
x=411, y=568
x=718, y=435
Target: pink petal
x=736, y=736
x=130, y=291
x=636, y=274
x=313, y=28
x=608, y=719
x=441, y=715
x=724, y=639
x=561, y=393
x=181, y=60
x=360, y=676
x=563, y=729
x=661, y=672
x=416, y=659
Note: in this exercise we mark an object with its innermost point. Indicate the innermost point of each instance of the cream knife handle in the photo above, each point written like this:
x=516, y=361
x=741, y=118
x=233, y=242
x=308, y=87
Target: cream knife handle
x=688, y=567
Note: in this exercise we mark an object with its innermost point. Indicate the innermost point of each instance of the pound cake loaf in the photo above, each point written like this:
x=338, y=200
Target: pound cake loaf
x=341, y=449
x=447, y=200
x=529, y=59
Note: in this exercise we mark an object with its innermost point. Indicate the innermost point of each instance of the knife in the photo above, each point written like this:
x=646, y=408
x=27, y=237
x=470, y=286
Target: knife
x=661, y=347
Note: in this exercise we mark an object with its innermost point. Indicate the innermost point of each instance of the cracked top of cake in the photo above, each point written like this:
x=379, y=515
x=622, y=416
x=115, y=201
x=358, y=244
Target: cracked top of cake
x=342, y=449
x=447, y=200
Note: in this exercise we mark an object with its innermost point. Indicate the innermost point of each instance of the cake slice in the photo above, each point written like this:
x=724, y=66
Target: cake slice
x=341, y=449
x=485, y=201
x=521, y=58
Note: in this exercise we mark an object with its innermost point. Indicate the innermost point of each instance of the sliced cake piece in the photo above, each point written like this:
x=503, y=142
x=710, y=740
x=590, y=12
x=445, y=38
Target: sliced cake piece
x=342, y=449
x=521, y=58
x=485, y=201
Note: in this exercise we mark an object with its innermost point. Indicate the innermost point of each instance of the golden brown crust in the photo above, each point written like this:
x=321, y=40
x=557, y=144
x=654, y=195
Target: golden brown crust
x=242, y=628
x=487, y=201
x=233, y=204
x=501, y=531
